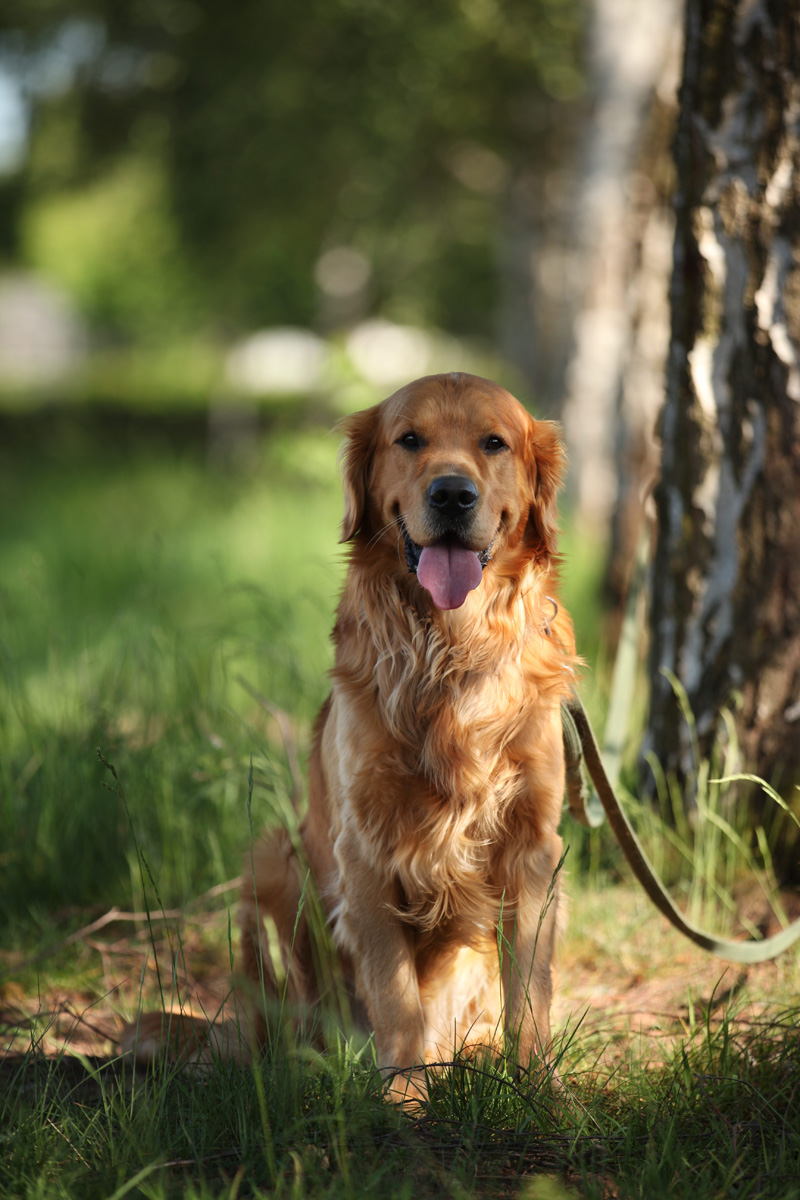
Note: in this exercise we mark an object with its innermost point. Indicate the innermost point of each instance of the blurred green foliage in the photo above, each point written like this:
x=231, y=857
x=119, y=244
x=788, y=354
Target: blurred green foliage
x=113, y=245
x=189, y=161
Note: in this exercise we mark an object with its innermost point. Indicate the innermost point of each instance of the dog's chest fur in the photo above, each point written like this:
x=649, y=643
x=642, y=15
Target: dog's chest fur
x=448, y=703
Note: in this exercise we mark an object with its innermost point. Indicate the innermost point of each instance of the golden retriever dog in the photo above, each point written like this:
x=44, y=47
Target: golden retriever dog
x=437, y=768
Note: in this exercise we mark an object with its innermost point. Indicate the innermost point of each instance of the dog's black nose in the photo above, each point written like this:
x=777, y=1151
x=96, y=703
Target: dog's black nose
x=452, y=495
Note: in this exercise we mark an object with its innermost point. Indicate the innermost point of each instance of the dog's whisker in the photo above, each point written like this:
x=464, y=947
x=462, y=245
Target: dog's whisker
x=398, y=521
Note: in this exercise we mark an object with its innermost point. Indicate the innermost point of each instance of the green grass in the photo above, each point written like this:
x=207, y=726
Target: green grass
x=718, y=1118
x=138, y=587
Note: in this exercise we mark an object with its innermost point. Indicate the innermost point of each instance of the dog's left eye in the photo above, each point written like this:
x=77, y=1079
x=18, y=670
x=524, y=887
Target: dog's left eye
x=493, y=443
x=410, y=441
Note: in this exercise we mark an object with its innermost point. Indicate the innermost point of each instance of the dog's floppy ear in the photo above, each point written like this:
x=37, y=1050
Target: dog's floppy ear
x=355, y=458
x=546, y=462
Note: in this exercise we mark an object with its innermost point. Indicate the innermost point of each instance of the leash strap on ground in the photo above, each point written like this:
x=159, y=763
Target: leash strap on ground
x=580, y=742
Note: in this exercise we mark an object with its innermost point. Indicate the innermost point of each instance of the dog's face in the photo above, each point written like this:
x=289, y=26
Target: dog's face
x=452, y=474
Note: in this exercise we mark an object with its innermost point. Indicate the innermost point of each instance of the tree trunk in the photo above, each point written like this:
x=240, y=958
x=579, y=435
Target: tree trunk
x=631, y=44
x=725, y=614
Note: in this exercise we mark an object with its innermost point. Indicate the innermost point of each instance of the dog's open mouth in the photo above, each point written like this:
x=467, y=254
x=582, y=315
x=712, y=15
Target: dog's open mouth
x=447, y=569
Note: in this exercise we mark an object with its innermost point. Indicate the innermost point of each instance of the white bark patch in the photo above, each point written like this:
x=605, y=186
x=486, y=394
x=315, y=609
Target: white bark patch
x=772, y=314
x=712, y=621
x=711, y=357
x=705, y=496
x=719, y=495
x=769, y=299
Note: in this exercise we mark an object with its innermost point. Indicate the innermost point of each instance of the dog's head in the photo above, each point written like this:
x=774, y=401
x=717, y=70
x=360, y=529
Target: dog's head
x=452, y=474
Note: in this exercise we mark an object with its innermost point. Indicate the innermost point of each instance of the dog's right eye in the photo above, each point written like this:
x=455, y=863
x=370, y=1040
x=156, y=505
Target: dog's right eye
x=409, y=441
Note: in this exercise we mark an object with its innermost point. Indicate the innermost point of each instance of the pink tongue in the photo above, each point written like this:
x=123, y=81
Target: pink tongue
x=448, y=572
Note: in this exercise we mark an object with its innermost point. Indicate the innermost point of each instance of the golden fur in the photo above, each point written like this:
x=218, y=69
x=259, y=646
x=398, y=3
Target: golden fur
x=437, y=772
x=437, y=768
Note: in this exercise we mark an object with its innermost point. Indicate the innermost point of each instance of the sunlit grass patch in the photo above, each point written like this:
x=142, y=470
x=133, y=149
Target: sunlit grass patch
x=136, y=593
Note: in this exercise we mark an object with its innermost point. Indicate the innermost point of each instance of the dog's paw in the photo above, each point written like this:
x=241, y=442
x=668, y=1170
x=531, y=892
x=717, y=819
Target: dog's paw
x=409, y=1087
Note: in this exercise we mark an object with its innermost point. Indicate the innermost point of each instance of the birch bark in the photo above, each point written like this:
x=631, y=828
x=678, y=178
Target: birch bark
x=725, y=612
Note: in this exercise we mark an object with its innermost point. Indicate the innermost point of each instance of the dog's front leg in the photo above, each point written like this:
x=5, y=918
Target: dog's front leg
x=529, y=934
x=382, y=952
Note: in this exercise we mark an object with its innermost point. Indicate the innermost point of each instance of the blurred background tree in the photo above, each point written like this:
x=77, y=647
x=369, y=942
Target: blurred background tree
x=291, y=165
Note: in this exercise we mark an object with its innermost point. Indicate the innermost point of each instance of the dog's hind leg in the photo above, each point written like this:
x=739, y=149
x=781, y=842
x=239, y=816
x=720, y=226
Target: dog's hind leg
x=272, y=888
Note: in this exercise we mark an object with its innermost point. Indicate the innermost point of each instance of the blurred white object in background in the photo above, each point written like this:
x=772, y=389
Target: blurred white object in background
x=277, y=360
x=387, y=354
x=42, y=338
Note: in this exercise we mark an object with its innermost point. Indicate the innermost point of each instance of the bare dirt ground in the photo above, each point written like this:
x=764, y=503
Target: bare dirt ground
x=625, y=978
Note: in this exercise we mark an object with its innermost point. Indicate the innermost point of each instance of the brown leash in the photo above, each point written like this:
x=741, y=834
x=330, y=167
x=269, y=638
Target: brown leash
x=580, y=745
